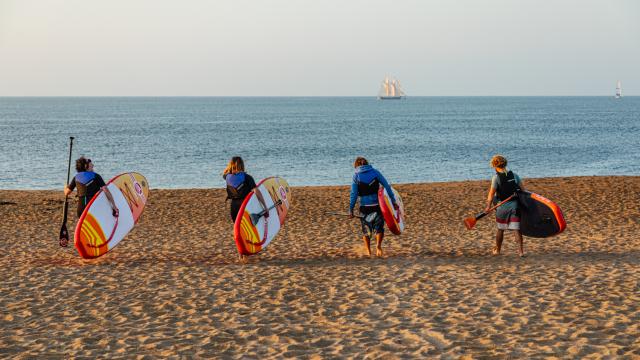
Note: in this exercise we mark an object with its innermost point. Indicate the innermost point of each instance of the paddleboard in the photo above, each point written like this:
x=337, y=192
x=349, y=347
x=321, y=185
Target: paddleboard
x=253, y=231
x=394, y=219
x=98, y=231
x=539, y=216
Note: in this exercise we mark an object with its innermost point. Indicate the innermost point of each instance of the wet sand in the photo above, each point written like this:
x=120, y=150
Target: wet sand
x=173, y=287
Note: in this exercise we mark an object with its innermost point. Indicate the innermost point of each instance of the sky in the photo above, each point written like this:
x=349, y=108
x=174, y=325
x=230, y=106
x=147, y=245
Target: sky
x=318, y=48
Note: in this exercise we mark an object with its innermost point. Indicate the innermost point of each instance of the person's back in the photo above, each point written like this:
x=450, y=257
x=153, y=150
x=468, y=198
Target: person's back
x=87, y=182
x=367, y=180
x=239, y=184
x=506, y=184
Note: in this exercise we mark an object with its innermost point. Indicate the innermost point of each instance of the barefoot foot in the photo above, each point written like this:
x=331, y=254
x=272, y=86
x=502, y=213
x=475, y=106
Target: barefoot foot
x=378, y=252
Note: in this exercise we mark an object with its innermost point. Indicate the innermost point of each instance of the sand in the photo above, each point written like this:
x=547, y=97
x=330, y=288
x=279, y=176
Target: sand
x=173, y=287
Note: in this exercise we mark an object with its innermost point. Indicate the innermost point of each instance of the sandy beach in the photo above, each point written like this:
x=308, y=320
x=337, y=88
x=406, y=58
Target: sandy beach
x=173, y=287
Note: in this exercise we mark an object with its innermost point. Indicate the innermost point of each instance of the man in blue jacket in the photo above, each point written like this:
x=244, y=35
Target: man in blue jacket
x=366, y=182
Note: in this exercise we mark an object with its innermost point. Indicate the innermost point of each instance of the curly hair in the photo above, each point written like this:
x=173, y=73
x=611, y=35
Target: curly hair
x=82, y=164
x=360, y=161
x=498, y=161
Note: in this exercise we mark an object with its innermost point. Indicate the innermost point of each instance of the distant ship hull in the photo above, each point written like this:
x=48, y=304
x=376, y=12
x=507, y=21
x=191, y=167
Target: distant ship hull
x=390, y=97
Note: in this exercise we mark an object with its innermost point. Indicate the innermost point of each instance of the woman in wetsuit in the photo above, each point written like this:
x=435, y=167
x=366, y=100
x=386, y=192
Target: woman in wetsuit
x=239, y=185
x=365, y=185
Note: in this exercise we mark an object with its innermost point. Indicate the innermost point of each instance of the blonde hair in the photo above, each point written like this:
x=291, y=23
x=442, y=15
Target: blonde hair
x=235, y=165
x=360, y=161
x=498, y=162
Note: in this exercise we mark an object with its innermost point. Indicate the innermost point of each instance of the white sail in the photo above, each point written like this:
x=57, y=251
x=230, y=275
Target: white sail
x=399, y=88
x=390, y=89
x=619, y=89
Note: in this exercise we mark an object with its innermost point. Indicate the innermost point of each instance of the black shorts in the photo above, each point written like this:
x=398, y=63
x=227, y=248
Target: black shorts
x=82, y=204
x=372, y=220
x=235, y=208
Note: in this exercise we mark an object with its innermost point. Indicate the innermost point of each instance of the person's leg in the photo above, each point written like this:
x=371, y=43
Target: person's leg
x=520, y=243
x=499, y=238
x=379, y=237
x=379, y=230
x=367, y=244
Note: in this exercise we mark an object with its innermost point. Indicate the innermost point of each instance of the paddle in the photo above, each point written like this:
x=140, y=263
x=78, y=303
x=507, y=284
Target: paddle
x=256, y=217
x=64, y=234
x=470, y=222
x=342, y=214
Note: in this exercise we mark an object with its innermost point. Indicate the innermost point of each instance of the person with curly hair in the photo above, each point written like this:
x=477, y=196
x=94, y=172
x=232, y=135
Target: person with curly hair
x=505, y=183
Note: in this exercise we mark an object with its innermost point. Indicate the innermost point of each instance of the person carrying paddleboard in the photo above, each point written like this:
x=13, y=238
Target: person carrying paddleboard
x=239, y=185
x=505, y=183
x=88, y=183
x=365, y=185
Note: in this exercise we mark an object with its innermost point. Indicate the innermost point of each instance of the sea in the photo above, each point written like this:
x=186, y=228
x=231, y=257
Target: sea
x=186, y=142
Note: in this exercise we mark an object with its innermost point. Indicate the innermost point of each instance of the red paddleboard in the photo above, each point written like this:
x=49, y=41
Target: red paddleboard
x=394, y=219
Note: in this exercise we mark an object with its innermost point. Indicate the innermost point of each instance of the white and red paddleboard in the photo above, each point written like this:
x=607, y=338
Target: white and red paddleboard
x=262, y=215
x=98, y=230
x=394, y=219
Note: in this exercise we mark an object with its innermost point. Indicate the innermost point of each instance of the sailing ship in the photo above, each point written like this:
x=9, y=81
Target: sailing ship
x=391, y=90
x=618, y=90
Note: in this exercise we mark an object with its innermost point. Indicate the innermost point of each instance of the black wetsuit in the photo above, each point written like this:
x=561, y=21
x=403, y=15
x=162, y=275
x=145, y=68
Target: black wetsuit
x=239, y=185
x=88, y=183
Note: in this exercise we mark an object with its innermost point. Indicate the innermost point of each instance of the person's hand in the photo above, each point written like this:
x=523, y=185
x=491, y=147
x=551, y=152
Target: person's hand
x=67, y=191
x=487, y=209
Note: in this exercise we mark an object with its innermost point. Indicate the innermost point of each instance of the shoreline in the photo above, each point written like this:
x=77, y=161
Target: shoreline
x=564, y=177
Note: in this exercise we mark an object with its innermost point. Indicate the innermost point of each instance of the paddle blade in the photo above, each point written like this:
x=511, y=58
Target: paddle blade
x=470, y=222
x=64, y=235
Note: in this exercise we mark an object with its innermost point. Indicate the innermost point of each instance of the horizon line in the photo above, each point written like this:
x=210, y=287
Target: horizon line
x=289, y=96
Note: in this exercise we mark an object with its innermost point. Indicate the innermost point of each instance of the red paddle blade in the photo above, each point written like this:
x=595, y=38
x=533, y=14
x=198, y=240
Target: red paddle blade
x=470, y=223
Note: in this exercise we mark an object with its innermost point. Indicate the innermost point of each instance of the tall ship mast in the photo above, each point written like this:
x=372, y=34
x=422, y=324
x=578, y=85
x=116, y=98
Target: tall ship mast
x=391, y=90
x=618, y=90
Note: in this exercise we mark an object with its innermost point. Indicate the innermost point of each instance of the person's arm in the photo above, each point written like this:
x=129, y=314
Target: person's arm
x=251, y=182
x=69, y=188
x=353, y=196
x=387, y=187
x=114, y=208
x=492, y=192
x=99, y=181
x=520, y=183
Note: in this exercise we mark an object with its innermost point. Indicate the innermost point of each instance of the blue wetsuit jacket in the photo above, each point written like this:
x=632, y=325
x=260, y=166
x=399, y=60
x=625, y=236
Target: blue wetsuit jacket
x=366, y=174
